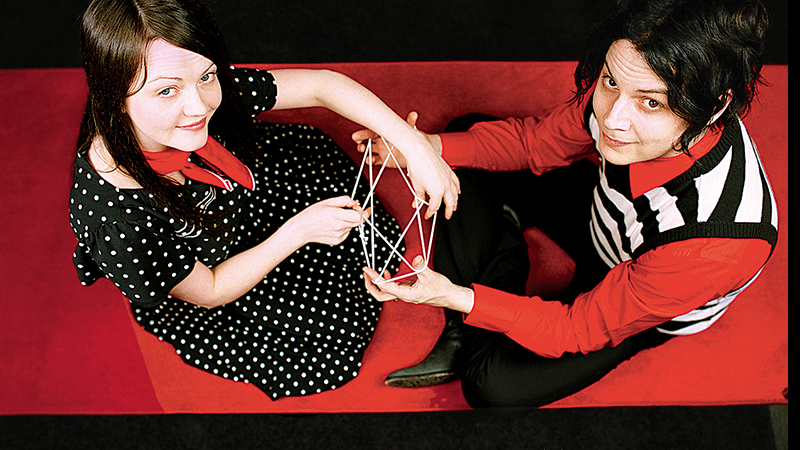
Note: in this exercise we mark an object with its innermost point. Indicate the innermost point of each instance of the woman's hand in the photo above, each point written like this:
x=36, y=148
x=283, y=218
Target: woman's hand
x=380, y=152
x=429, y=173
x=430, y=288
x=328, y=222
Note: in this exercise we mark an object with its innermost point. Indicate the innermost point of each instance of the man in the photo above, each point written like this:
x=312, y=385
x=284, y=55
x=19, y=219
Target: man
x=677, y=221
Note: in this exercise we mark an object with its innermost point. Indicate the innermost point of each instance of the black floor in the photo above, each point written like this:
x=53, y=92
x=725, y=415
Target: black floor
x=42, y=33
x=732, y=427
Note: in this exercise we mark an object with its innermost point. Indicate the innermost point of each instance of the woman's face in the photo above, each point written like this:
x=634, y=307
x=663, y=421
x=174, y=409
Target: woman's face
x=174, y=104
x=630, y=103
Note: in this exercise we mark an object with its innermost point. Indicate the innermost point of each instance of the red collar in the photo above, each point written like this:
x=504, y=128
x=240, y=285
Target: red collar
x=214, y=154
x=647, y=175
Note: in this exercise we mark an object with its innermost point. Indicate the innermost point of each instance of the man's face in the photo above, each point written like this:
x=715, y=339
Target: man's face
x=630, y=103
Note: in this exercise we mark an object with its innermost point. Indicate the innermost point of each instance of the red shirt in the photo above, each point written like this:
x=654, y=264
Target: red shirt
x=662, y=284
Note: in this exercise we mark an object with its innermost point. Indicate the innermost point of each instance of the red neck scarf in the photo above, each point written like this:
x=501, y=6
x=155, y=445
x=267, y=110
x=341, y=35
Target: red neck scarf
x=214, y=154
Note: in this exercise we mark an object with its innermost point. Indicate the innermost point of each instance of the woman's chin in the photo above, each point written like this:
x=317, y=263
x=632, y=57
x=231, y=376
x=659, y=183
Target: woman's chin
x=192, y=145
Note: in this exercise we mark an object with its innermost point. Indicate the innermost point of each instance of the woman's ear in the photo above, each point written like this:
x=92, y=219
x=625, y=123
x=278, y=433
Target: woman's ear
x=728, y=95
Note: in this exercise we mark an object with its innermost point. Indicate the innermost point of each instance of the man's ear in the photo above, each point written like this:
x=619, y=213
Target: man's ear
x=728, y=95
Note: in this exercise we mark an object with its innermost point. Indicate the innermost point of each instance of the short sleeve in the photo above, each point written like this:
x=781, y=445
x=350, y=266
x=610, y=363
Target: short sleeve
x=144, y=264
x=258, y=88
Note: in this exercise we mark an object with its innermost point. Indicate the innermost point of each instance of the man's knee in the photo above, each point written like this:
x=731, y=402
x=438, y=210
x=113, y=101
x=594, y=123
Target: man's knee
x=483, y=391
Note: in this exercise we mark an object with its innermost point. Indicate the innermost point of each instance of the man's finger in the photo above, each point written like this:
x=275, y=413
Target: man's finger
x=451, y=204
x=374, y=290
x=433, y=205
x=363, y=135
x=411, y=118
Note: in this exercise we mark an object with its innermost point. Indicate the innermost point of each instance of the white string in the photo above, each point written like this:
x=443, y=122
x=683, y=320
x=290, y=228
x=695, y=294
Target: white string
x=370, y=253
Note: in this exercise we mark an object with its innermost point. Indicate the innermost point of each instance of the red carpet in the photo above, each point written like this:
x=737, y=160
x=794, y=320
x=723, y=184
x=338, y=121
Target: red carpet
x=66, y=349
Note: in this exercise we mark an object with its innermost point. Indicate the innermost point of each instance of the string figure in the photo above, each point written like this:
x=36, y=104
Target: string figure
x=368, y=232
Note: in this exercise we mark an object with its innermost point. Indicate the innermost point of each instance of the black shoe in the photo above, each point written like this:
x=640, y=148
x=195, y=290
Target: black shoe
x=441, y=364
x=512, y=218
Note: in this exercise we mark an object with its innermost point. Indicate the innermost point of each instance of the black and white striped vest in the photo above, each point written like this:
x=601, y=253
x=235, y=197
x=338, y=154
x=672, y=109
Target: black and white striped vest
x=725, y=194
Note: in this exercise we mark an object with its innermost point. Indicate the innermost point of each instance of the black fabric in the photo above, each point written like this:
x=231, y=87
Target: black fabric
x=498, y=372
x=304, y=328
x=477, y=245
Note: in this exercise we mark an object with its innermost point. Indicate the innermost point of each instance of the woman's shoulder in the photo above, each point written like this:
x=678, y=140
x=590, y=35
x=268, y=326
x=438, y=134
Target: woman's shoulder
x=95, y=202
x=100, y=160
x=258, y=89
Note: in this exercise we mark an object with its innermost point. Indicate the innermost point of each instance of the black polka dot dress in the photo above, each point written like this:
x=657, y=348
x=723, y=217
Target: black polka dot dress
x=304, y=328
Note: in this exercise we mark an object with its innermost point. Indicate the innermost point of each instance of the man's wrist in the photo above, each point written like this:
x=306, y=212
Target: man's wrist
x=463, y=299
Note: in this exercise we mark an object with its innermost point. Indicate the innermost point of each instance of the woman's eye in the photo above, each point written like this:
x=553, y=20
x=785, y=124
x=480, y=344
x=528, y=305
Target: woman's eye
x=166, y=92
x=610, y=82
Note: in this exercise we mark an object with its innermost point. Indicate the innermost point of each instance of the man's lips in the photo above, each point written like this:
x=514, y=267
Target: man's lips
x=194, y=126
x=613, y=142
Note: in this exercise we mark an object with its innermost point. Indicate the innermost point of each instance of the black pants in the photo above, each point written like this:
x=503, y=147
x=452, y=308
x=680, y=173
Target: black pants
x=479, y=245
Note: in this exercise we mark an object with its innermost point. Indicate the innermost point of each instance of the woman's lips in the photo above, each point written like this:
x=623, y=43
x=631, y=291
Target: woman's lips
x=194, y=126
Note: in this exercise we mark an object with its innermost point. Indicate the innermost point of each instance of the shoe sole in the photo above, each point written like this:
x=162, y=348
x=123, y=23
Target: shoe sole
x=421, y=381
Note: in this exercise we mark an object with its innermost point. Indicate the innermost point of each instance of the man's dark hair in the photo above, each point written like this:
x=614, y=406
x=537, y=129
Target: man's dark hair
x=705, y=51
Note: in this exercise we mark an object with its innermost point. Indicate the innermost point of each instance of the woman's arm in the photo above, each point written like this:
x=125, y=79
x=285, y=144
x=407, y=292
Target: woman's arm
x=327, y=222
x=429, y=174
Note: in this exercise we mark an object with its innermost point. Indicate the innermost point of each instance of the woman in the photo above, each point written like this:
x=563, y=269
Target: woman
x=678, y=221
x=225, y=234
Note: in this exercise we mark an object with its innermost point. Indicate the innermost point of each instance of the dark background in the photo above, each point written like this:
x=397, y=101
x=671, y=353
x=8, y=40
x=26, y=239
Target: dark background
x=43, y=34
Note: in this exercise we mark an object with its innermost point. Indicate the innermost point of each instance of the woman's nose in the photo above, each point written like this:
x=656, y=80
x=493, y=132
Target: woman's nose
x=195, y=103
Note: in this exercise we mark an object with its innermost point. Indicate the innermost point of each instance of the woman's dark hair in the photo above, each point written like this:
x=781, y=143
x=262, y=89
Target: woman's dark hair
x=115, y=36
x=704, y=50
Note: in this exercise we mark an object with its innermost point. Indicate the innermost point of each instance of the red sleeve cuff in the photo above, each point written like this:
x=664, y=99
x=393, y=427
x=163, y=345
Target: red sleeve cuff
x=457, y=148
x=494, y=309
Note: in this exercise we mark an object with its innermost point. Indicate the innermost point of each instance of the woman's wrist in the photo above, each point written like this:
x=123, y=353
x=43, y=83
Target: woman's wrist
x=292, y=234
x=430, y=141
x=435, y=141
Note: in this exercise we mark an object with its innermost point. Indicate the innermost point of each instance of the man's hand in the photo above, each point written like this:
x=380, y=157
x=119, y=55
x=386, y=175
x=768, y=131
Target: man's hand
x=430, y=288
